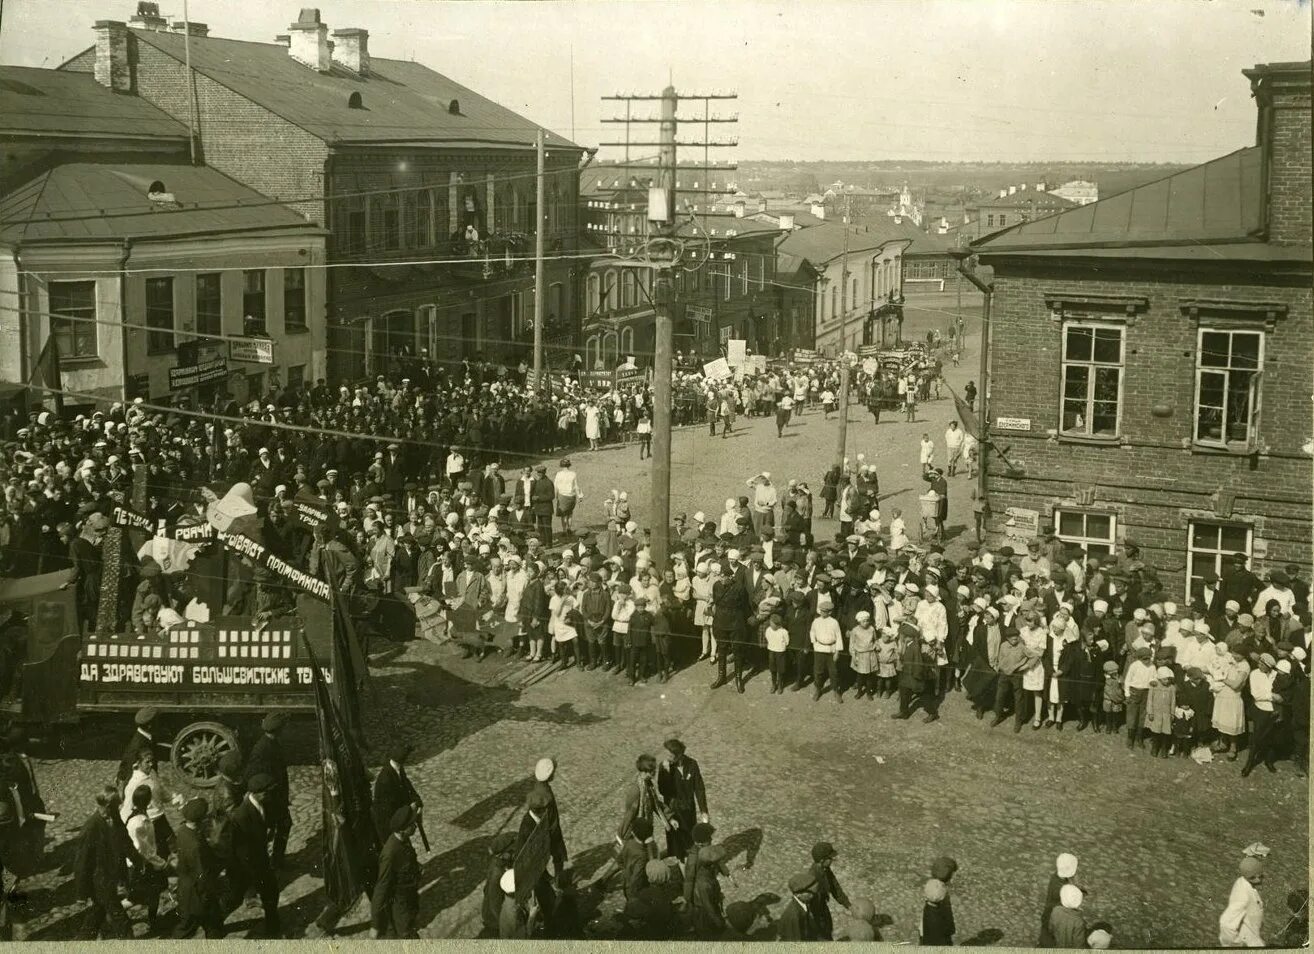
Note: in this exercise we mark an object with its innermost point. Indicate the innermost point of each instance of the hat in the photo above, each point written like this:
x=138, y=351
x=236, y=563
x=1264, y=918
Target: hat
x=1110, y=666
x=823, y=851
x=1139, y=614
x=145, y=715
x=1268, y=660
x=1284, y=665
x=943, y=868
x=1065, y=865
x=1251, y=866
x=1070, y=896
x=402, y=818
x=195, y=810
x=702, y=832
x=1163, y=672
x=740, y=915
x=1005, y=551
x=803, y=881
x=1245, y=619
x=1099, y=940
x=259, y=783
x=1100, y=606
x=544, y=769
x=657, y=872
x=1298, y=654
x=538, y=800
x=230, y=764
x=508, y=881
x=1232, y=605
x=934, y=890
x=274, y=721
x=1278, y=577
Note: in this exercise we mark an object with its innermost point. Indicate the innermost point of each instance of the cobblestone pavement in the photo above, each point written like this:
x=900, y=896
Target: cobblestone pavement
x=1158, y=839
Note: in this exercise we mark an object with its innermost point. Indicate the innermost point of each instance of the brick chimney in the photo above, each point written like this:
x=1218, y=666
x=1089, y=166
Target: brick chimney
x=148, y=18
x=113, y=68
x=190, y=28
x=351, y=50
x=1282, y=91
x=787, y=221
x=310, y=43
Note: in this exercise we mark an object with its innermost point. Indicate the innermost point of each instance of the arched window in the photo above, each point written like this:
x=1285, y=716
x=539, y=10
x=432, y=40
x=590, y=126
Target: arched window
x=610, y=292
x=592, y=353
x=834, y=302
x=627, y=341
x=629, y=293
x=594, y=294
x=610, y=346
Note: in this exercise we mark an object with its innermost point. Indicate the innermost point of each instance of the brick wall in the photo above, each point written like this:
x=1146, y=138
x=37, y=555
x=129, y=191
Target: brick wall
x=1154, y=480
x=1291, y=196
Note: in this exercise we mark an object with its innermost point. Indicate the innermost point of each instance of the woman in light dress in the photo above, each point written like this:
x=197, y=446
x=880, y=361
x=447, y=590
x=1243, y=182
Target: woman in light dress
x=705, y=576
x=1062, y=630
x=1229, y=708
x=592, y=426
x=560, y=626
x=1035, y=638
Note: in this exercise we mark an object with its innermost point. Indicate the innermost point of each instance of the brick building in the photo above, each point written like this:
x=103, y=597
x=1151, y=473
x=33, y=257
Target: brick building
x=732, y=291
x=1012, y=206
x=1150, y=355
x=427, y=187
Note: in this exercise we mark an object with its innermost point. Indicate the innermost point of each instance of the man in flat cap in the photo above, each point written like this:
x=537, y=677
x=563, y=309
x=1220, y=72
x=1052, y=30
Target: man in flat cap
x=250, y=868
x=269, y=759
x=501, y=856
x=827, y=886
x=680, y=784
x=143, y=740
x=393, y=790
x=537, y=812
x=795, y=922
x=395, y=902
x=198, y=869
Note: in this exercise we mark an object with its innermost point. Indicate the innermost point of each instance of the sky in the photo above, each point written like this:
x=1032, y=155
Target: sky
x=940, y=80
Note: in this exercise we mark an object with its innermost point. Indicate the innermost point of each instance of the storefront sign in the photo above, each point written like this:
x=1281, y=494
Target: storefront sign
x=251, y=350
x=1012, y=423
x=699, y=313
x=629, y=376
x=198, y=374
x=806, y=356
x=1022, y=522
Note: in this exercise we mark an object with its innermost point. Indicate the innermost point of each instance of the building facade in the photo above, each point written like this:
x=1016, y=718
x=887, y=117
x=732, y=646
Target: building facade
x=1149, y=360
x=1010, y=207
x=427, y=188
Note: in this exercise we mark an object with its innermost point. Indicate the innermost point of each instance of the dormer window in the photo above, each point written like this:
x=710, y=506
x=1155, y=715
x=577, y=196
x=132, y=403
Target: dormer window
x=454, y=107
x=355, y=102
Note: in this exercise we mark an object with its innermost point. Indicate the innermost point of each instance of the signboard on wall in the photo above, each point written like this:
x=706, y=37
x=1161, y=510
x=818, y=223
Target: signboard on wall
x=198, y=374
x=1012, y=423
x=251, y=350
x=1021, y=522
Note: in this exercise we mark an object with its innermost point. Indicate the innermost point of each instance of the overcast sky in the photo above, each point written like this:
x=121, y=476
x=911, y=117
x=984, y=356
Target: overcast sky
x=817, y=79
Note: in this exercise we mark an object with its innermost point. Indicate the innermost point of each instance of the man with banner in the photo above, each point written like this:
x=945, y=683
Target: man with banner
x=395, y=901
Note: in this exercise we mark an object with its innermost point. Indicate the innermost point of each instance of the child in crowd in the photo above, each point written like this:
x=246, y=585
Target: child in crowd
x=1111, y=705
x=777, y=644
x=1183, y=730
x=898, y=532
x=887, y=662
x=862, y=654
x=1159, y=705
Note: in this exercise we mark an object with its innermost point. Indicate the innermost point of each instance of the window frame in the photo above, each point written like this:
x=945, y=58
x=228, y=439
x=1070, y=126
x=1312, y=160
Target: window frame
x=1085, y=539
x=1071, y=324
x=629, y=289
x=160, y=336
x=69, y=324
x=1255, y=402
x=1218, y=555
x=255, y=325
x=288, y=326
x=204, y=326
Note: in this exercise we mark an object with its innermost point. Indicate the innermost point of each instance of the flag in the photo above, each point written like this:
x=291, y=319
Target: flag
x=351, y=845
x=966, y=416
x=349, y=666
x=45, y=374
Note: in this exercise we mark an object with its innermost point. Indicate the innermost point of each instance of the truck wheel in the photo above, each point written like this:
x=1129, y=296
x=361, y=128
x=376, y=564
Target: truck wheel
x=198, y=748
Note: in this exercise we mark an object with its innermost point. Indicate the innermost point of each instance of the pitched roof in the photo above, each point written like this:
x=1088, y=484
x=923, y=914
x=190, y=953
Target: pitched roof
x=923, y=242
x=822, y=243
x=66, y=203
x=402, y=101
x=36, y=101
x=1217, y=202
x=720, y=226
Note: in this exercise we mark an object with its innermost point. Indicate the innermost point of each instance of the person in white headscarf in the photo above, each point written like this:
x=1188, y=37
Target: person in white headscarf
x=1242, y=922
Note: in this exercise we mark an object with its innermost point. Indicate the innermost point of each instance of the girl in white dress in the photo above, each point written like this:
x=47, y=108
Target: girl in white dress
x=592, y=428
x=1033, y=635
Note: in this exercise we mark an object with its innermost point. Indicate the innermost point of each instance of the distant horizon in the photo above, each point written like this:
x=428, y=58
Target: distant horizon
x=993, y=81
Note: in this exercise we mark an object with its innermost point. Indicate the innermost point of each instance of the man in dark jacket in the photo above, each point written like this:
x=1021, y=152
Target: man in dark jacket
x=198, y=876
x=269, y=759
x=395, y=903
x=636, y=851
x=101, y=867
x=795, y=922
x=250, y=867
x=798, y=620
x=827, y=887
x=500, y=858
x=142, y=739
x=542, y=492
x=680, y=783
x=912, y=669
x=729, y=623
x=537, y=810
x=393, y=790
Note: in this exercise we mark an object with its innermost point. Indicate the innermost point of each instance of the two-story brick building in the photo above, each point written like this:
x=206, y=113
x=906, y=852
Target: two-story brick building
x=1150, y=356
x=427, y=187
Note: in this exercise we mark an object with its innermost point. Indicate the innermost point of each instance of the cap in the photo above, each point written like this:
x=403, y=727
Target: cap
x=823, y=851
x=508, y=881
x=934, y=890
x=274, y=721
x=803, y=881
x=657, y=872
x=544, y=769
x=145, y=715
x=259, y=783
x=943, y=868
x=1110, y=666
x=502, y=843
x=1163, y=672
x=195, y=810
x=1268, y=660
x=1099, y=940
x=702, y=832
x=1065, y=865
x=1070, y=896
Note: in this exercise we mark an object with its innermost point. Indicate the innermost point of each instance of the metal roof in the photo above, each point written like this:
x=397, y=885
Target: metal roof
x=819, y=244
x=110, y=201
x=44, y=102
x=402, y=101
x=1217, y=202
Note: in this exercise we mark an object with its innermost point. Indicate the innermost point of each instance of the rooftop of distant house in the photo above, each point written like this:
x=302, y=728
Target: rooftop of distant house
x=823, y=243
x=54, y=103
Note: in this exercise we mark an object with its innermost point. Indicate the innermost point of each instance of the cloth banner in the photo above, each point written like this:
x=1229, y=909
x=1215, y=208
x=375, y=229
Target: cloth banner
x=966, y=416
x=716, y=370
x=532, y=860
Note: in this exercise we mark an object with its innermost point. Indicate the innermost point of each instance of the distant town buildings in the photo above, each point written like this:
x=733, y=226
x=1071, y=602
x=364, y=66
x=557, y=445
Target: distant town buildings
x=1079, y=191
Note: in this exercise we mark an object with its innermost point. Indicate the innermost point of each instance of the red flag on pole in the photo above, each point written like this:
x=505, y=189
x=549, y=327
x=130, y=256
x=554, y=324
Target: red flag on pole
x=45, y=374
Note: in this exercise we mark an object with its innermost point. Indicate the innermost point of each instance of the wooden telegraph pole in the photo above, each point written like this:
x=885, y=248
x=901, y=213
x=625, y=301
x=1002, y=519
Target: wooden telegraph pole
x=842, y=447
x=539, y=292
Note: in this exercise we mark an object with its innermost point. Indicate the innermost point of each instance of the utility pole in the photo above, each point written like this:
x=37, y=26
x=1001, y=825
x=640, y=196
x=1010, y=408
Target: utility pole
x=663, y=255
x=539, y=295
x=844, y=328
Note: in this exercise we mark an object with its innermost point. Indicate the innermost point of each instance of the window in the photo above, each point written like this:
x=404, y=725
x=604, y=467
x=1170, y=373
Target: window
x=253, y=301
x=516, y=306
x=855, y=293
x=296, y=377
x=159, y=315
x=385, y=222
x=1208, y=546
x=554, y=302
x=834, y=302
x=1092, y=379
x=627, y=341
x=1227, y=374
x=1092, y=533
x=349, y=224
x=990, y=221
x=1003, y=219
x=629, y=293
x=73, y=318
x=594, y=294
x=609, y=291
x=726, y=276
x=294, y=299
x=255, y=385
x=419, y=218
x=209, y=304
x=743, y=267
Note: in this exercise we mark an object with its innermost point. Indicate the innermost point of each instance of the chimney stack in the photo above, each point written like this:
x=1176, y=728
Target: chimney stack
x=787, y=221
x=310, y=44
x=191, y=29
x=113, y=69
x=351, y=50
x=1012, y=190
x=148, y=18
x=1282, y=92
x=1003, y=193
x=284, y=40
